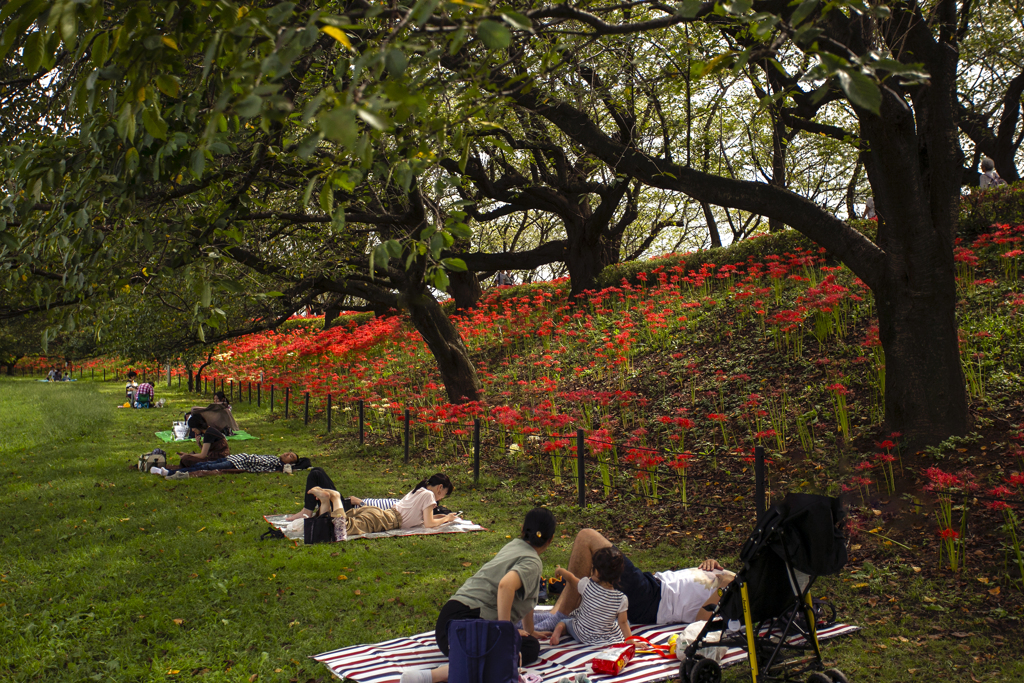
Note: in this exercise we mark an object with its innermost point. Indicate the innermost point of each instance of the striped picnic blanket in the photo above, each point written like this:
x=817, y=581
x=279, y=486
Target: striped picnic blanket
x=385, y=662
x=458, y=527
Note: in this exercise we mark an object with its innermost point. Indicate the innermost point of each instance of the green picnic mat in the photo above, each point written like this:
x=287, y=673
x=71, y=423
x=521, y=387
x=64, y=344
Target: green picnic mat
x=240, y=435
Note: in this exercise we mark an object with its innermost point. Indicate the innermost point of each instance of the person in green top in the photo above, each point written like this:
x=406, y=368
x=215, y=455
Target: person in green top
x=505, y=589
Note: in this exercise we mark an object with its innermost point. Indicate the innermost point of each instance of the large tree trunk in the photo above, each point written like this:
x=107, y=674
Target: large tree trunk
x=465, y=288
x=445, y=343
x=586, y=256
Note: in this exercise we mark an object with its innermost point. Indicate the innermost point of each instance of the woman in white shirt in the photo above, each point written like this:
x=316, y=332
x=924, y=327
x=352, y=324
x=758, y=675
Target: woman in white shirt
x=416, y=509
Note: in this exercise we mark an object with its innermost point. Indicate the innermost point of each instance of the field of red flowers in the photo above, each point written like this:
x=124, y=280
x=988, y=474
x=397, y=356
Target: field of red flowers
x=673, y=375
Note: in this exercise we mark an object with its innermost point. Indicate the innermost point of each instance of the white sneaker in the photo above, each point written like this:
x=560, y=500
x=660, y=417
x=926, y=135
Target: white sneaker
x=158, y=471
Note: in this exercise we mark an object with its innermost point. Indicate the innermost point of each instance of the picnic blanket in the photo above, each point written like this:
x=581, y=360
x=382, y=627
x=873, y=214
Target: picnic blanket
x=240, y=435
x=457, y=527
x=385, y=662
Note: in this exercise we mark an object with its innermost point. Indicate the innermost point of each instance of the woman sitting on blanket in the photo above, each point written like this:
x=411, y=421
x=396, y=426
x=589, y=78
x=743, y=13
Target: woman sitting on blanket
x=317, y=477
x=505, y=589
x=414, y=510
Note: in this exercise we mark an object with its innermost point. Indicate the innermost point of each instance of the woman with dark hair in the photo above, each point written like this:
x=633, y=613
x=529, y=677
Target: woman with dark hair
x=212, y=444
x=414, y=510
x=318, y=478
x=504, y=589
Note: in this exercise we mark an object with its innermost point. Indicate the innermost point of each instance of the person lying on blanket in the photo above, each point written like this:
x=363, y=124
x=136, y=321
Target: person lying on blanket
x=504, y=589
x=672, y=597
x=241, y=461
x=317, y=477
x=414, y=510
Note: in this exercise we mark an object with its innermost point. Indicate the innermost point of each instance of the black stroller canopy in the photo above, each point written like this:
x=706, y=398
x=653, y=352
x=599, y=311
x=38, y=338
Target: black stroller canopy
x=812, y=534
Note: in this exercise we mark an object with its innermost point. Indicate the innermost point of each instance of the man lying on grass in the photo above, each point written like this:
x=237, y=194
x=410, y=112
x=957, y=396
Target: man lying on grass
x=241, y=461
x=672, y=597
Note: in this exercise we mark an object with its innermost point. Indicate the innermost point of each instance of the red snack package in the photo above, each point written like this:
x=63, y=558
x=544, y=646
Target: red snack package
x=612, y=660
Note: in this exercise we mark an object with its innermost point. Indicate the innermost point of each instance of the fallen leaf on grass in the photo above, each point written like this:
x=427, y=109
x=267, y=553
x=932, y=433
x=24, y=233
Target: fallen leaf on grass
x=358, y=592
x=203, y=529
x=917, y=570
x=172, y=672
x=927, y=599
x=342, y=577
x=983, y=579
x=467, y=564
x=961, y=634
x=911, y=671
x=253, y=677
x=179, y=622
x=872, y=601
x=860, y=585
x=994, y=591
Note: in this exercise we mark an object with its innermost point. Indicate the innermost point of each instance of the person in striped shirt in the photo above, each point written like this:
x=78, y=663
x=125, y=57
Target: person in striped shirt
x=601, y=617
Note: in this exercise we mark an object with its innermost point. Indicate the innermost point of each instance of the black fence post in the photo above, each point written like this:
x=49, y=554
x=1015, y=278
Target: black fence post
x=250, y=392
x=581, y=464
x=759, y=481
x=329, y=413
x=259, y=394
x=287, y=395
x=231, y=388
x=305, y=417
x=206, y=385
x=476, y=450
x=406, y=436
x=361, y=438
x=271, y=398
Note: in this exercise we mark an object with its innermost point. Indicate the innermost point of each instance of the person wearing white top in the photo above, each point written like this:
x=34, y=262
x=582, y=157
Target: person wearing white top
x=664, y=598
x=989, y=175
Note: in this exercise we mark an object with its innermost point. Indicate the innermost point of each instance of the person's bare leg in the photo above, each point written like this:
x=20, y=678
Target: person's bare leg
x=439, y=675
x=300, y=514
x=581, y=563
x=557, y=633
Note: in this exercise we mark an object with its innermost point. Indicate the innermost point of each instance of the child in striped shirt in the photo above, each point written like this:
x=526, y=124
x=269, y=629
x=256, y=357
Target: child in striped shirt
x=601, y=617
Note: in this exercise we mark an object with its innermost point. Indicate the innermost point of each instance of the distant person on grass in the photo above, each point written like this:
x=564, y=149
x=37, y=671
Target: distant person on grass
x=247, y=462
x=414, y=510
x=504, y=589
x=672, y=597
x=211, y=442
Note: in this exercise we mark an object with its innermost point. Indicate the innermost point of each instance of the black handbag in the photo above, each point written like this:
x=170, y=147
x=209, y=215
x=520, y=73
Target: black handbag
x=318, y=528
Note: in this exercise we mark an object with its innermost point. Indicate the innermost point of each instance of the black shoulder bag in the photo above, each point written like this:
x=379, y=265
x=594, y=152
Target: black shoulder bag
x=318, y=528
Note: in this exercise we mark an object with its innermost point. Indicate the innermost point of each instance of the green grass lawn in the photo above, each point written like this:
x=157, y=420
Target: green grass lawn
x=110, y=574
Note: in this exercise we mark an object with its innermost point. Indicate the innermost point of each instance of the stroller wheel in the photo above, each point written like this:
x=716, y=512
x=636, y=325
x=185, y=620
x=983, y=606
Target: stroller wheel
x=705, y=671
x=818, y=678
x=836, y=675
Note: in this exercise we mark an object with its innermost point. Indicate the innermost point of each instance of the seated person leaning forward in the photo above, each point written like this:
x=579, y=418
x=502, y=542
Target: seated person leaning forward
x=218, y=414
x=416, y=509
x=672, y=597
x=504, y=589
x=212, y=444
x=242, y=461
x=318, y=477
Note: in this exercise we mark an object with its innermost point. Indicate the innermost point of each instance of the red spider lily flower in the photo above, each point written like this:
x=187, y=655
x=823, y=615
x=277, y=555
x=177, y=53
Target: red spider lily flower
x=838, y=389
x=766, y=434
x=887, y=445
x=1016, y=479
x=997, y=505
x=885, y=457
x=949, y=534
x=942, y=479
x=717, y=417
x=865, y=466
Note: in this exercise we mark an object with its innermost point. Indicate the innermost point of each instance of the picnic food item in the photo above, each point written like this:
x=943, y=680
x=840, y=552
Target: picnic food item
x=612, y=660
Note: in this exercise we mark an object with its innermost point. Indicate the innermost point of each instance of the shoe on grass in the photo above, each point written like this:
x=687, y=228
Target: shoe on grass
x=177, y=475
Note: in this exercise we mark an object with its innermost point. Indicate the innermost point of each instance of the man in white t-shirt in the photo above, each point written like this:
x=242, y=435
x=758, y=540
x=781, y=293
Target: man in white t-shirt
x=671, y=597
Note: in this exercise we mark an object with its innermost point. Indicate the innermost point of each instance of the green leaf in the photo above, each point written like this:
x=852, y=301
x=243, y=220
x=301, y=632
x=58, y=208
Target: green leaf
x=803, y=11
x=69, y=23
x=308, y=191
x=206, y=296
x=395, y=62
x=494, y=35
x=99, y=49
x=202, y=334
x=394, y=248
x=126, y=123
x=198, y=163
x=33, y=52
x=10, y=240
x=862, y=91
x=154, y=124
x=168, y=85
x=738, y=6
x=381, y=255
x=517, y=20
x=441, y=279
x=689, y=8
x=327, y=198
x=454, y=264
x=422, y=10
x=372, y=119
x=339, y=125
x=249, y=106
x=460, y=230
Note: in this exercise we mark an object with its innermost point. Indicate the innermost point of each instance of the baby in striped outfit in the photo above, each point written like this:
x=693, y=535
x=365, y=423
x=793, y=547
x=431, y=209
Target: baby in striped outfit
x=601, y=617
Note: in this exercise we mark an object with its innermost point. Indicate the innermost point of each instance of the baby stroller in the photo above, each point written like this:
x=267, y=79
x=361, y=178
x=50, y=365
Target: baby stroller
x=794, y=543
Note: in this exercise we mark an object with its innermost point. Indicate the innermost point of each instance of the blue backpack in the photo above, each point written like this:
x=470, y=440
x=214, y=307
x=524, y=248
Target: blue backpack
x=483, y=651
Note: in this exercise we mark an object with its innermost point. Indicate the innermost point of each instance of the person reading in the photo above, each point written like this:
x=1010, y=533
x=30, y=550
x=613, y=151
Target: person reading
x=601, y=617
x=414, y=510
